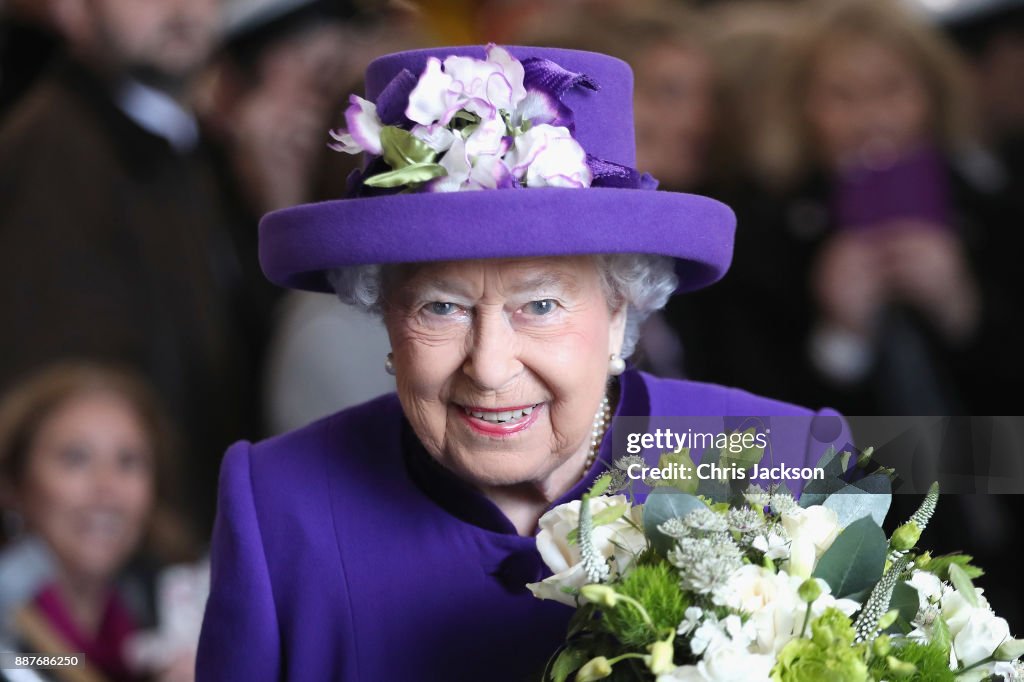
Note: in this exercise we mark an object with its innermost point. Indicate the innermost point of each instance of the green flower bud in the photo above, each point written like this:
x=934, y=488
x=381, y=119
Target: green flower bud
x=898, y=668
x=661, y=659
x=594, y=669
x=602, y=595
x=888, y=619
x=882, y=645
x=905, y=537
x=809, y=590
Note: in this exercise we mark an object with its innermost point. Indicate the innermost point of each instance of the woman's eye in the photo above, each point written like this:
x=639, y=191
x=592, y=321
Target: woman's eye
x=541, y=307
x=442, y=307
x=74, y=456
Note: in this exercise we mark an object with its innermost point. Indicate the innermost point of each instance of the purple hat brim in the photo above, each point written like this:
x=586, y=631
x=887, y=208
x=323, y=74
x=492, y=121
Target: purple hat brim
x=298, y=244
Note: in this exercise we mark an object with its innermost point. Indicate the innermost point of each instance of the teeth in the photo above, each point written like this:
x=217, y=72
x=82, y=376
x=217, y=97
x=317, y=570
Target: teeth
x=499, y=417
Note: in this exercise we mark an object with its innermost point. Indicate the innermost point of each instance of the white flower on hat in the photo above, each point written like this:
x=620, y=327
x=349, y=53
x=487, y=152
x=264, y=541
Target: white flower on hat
x=482, y=87
x=364, y=128
x=547, y=155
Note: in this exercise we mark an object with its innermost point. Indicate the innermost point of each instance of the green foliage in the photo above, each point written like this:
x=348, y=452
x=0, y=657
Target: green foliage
x=963, y=585
x=656, y=586
x=855, y=560
x=687, y=480
x=409, y=175
x=940, y=565
x=401, y=149
x=568, y=660
x=930, y=660
x=829, y=654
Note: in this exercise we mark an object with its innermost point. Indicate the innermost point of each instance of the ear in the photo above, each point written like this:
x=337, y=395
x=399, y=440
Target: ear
x=617, y=330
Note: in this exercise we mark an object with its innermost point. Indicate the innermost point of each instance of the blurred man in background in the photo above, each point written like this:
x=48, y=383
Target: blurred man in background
x=112, y=236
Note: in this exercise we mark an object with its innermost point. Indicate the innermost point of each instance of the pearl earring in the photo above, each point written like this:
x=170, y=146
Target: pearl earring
x=616, y=365
x=389, y=364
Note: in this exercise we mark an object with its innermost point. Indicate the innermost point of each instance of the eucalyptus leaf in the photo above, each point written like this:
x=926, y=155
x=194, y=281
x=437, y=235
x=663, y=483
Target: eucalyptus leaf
x=817, y=490
x=663, y=504
x=406, y=176
x=401, y=149
x=852, y=503
x=963, y=585
x=875, y=483
x=905, y=600
x=855, y=560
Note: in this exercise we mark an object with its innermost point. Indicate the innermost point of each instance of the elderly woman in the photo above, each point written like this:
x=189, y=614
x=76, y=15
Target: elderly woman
x=394, y=540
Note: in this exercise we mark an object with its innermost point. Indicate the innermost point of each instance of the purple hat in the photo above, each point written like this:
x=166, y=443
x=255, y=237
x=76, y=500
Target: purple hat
x=546, y=134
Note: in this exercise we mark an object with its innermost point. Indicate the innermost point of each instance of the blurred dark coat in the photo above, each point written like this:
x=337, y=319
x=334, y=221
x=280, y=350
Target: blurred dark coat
x=753, y=328
x=114, y=247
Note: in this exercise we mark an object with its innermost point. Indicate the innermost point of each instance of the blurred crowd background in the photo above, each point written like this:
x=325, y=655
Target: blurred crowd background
x=873, y=151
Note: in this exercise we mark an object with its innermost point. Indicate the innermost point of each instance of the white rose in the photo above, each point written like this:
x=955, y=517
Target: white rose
x=684, y=673
x=812, y=531
x=730, y=662
x=771, y=600
x=547, y=155
x=956, y=610
x=983, y=632
x=774, y=605
x=818, y=524
x=618, y=539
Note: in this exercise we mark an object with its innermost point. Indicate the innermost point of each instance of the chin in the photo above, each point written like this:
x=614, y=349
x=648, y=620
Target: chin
x=495, y=469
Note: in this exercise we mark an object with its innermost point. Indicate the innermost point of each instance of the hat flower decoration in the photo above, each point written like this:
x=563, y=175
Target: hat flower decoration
x=435, y=124
x=472, y=124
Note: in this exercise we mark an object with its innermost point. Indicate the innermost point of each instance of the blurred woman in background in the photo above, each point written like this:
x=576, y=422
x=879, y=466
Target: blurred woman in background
x=882, y=258
x=86, y=475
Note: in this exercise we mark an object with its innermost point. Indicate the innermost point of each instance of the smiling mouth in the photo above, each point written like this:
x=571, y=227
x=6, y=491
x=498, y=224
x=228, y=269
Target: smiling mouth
x=500, y=415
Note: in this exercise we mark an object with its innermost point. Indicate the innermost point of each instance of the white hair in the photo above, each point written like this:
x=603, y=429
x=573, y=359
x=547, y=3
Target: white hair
x=643, y=282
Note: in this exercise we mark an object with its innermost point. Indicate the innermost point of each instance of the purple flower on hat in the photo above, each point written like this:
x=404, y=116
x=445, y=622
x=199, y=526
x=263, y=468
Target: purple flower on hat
x=467, y=123
x=363, y=128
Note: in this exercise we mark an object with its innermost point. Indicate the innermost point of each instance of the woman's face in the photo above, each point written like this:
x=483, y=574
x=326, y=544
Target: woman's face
x=673, y=104
x=89, y=483
x=501, y=364
x=866, y=103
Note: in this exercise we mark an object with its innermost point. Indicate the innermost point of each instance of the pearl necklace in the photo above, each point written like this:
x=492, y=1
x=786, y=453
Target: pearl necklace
x=601, y=421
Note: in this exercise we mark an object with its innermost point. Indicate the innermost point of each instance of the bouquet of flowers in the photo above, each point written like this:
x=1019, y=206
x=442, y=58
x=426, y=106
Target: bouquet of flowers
x=731, y=583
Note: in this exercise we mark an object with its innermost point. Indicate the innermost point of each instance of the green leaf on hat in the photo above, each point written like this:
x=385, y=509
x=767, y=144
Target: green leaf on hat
x=401, y=149
x=418, y=173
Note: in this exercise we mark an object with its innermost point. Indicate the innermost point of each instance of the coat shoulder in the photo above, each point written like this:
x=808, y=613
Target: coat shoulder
x=340, y=434
x=669, y=397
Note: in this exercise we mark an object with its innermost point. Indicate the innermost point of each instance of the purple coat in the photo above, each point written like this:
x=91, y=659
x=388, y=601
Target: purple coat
x=342, y=551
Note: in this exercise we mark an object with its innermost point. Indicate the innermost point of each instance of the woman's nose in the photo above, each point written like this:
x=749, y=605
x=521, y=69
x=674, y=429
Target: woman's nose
x=492, y=359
